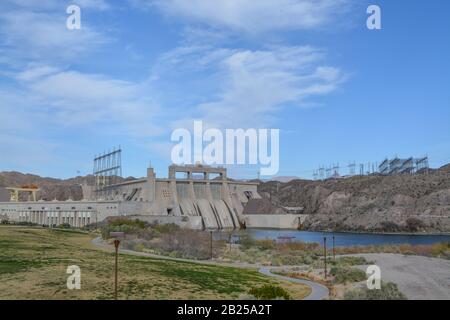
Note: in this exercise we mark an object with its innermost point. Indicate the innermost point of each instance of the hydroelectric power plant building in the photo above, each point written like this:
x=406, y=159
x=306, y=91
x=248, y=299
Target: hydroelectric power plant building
x=202, y=198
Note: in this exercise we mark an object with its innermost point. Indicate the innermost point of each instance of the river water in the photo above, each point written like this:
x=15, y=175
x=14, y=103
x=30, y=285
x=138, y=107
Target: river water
x=344, y=239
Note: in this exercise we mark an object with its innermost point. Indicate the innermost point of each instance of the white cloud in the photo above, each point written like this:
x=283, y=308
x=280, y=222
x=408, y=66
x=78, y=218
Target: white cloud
x=55, y=4
x=92, y=4
x=50, y=110
x=27, y=35
x=253, y=16
x=36, y=72
x=83, y=88
x=49, y=97
x=255, y=84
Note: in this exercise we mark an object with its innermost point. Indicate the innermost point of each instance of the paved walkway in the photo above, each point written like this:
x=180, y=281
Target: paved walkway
x=318, y=291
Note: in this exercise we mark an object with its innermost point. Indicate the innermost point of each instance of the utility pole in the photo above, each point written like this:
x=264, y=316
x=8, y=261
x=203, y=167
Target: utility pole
x=325, y=254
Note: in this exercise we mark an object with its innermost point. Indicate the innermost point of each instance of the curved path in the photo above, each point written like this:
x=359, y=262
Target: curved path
x=318, y=291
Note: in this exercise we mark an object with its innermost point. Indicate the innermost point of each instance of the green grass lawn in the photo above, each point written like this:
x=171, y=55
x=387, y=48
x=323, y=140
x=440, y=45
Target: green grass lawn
x=33, y=263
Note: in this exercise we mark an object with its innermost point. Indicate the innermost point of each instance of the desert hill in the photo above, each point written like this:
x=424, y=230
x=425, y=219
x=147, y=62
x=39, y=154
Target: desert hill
x=400, y=203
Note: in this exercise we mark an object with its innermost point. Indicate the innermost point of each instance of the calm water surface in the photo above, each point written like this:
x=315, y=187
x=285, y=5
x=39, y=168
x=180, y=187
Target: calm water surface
x=346, y=239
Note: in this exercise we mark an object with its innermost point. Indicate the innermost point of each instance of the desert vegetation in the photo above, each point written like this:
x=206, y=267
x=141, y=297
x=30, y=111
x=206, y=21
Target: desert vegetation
x=34, y=260
x=169, y=239
x=269, y=292
x=388, y=291
x=271, y=252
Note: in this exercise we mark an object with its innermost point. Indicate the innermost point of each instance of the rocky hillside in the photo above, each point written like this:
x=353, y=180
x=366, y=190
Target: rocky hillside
x=402, y=203
x=50, y=188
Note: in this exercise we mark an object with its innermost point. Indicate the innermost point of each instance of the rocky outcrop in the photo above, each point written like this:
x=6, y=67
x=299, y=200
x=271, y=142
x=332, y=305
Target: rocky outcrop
x=403, y=203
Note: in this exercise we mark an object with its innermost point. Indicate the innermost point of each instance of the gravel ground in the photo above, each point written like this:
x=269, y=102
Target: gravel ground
x=419, y=278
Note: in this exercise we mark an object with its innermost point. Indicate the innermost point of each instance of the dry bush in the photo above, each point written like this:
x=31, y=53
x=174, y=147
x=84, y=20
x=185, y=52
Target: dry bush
x=298, y=246
x=185, y=243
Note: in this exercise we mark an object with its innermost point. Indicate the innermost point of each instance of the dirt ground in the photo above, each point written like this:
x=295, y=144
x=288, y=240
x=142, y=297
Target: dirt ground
x=418, y=277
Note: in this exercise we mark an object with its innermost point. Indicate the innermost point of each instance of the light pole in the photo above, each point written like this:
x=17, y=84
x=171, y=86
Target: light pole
x=211, y=249
x=325, y=254
x=334, y=250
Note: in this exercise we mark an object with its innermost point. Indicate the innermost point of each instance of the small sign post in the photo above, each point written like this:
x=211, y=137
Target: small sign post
x=117, y=235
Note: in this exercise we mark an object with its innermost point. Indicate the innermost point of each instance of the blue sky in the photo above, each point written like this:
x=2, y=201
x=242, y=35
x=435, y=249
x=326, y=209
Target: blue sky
x=138, y=69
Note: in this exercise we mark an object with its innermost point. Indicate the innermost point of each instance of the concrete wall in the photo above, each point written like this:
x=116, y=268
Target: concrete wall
x=75, y=213
x=275, y=221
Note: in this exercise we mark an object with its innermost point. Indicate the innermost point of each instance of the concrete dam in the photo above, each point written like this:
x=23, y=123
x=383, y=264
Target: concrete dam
x=195, y=197
x=205, y=200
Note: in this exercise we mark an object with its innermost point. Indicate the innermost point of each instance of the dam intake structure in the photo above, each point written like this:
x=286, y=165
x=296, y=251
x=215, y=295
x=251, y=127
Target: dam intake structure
x=193, y=193
x=198, y=195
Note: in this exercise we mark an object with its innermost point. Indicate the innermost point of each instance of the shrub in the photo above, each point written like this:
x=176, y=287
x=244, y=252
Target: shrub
x=64, y=226
x=298, y=246
x=187, y=244
x=269, y=292
x=170, y=228
x=266, y=244
x=352, y=261
x=414, y=225
x=247, y=242
x=343, y=275
x=25, y=223
x=388, y=226
x=139, y=247
x=388, y=291
x=441, y=250
x=123, y=225
x=127, y=222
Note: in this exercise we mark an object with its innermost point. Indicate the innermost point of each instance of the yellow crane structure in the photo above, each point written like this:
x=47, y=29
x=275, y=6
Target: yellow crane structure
x=15, y=192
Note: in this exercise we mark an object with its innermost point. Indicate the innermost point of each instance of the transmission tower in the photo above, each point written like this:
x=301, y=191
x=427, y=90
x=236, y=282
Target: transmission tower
x=336, y=170
x=329, y=170
x=322, y=172
x=352, y=169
